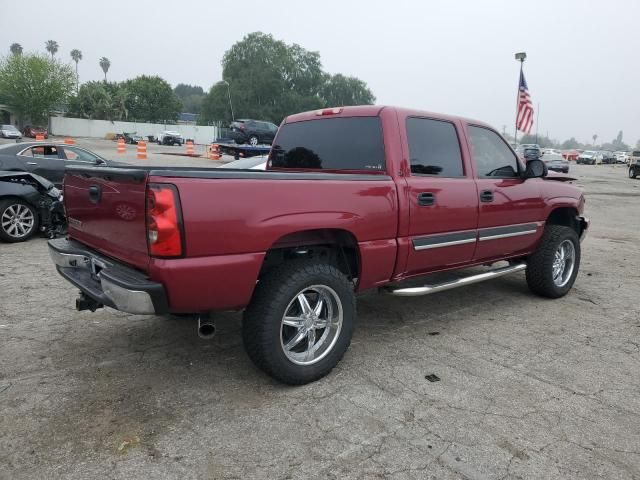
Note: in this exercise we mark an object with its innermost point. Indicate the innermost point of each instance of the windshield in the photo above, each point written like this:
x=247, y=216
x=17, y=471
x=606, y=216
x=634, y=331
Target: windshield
x=353, y=143
x=8, y=127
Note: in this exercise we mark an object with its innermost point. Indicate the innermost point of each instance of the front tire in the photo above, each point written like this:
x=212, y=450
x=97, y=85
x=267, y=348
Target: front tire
x=553, y=267
x=300, y=321
x=253, y=140
x=18, y=221
x=632, y=172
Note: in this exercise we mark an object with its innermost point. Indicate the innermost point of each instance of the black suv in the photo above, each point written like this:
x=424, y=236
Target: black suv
x=252, y=132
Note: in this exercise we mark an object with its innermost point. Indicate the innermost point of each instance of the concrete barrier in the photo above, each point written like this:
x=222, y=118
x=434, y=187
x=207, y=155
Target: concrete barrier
x=80, y=127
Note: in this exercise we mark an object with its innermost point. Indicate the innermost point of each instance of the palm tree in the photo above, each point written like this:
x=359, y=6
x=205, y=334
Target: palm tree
x=16, y=49
x=76, y=56
x=52, y=47
x=105, y=64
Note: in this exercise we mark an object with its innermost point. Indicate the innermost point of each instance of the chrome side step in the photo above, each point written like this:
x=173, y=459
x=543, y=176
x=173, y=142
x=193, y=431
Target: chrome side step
x=461, y=282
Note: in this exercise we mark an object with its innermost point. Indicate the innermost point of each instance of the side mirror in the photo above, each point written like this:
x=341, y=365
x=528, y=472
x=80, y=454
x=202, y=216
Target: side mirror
x=535, y=169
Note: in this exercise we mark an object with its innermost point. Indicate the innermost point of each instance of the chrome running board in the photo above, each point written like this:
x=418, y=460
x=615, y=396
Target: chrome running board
x=461, y=282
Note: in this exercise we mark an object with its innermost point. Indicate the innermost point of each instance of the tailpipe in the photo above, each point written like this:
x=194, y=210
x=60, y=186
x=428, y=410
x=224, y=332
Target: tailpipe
x=206, y=327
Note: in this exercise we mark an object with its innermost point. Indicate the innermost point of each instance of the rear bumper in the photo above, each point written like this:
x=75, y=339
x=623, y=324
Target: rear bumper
x=106, y=281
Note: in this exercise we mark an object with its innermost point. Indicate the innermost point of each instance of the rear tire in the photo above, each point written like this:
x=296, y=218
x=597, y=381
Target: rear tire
x=277, y=317
x=253, y=140
x=553, y=267
x=18, y=221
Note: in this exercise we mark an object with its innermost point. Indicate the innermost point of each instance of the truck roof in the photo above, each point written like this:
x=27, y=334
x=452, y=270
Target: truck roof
x=373, y=111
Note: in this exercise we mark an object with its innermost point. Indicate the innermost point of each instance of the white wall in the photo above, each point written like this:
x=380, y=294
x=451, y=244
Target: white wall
x=80, y=127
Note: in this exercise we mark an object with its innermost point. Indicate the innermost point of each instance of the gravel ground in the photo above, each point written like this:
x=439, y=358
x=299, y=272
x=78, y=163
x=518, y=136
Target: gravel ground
x=528, y=387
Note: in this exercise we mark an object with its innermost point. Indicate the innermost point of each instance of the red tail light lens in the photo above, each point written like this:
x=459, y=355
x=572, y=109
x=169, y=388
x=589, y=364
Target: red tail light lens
x=164, y=221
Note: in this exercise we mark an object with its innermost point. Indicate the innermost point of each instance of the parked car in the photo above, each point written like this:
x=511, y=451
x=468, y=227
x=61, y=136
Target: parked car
x=354, y=198
x=133, y=138
x=169, y=137
x=634, y=164
x=9, y=131
x=47, y=159
x=251, y=163
x=253, y=132
x=556, y=162
x=31, y=131
x=29, y=204
x=529, y=152
x=587, y=157
x=571, y=155
x=621, y=157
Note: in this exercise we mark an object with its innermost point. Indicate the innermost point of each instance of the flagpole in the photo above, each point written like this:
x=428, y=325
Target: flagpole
x=520, y=56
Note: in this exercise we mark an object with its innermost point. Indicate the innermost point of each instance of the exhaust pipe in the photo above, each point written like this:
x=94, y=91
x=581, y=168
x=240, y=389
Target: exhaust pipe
x=206, y=327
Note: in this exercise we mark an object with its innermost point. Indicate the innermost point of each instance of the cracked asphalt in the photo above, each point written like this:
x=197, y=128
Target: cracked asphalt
x=528, y=387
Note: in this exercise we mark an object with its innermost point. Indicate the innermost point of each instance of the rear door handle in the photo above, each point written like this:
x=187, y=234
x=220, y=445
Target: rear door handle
x=486, y=196
x=426, y=199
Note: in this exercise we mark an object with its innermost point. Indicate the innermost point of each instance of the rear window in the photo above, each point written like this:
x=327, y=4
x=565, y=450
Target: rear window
x=353, y=143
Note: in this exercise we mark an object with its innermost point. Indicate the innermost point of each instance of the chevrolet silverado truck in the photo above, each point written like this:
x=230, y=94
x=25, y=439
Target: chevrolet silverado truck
x=353, y=198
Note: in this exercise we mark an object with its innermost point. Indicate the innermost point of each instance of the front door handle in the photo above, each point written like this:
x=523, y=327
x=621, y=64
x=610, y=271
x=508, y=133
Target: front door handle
x=486, y=196
x=426, y=199
x=32, y=163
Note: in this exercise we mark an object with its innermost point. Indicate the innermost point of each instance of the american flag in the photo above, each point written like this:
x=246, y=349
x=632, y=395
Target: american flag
x=524, y=120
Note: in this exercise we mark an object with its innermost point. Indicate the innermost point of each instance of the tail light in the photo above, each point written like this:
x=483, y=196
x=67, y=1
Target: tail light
x=164, y=221
x=329, y=111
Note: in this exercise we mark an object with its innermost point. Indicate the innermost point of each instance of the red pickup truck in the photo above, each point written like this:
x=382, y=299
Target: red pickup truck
x=353, y=198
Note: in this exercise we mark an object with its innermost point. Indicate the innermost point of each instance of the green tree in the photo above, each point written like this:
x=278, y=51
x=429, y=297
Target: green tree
x=570, y=144
x=269, y=80
x=339, y=90
x=52, y=47
x=595, y=137
x=151, y=99
x=105, y=64
x=76, y=56
x=16, y=49
x=33, y=84
x=100, y=101
x=191, y=97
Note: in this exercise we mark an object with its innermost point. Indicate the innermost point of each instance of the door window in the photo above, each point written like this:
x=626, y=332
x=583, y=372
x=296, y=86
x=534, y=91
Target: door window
x=492, y=155
x=43, y=151
x=80, y=155
x=434, y=148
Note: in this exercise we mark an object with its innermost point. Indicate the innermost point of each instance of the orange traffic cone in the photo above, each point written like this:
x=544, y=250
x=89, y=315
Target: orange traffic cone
x=39, y=138
x=189, y=147
x=69, y=141
x=121, y=147
x=214, y=152
x=142, y=151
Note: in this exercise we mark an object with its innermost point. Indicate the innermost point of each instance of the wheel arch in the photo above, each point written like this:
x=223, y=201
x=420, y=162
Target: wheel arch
x=331, y=245
x=566, y=216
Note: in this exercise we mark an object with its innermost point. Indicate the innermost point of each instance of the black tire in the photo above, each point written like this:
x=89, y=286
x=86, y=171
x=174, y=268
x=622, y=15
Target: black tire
x=632, y=172
x=262, y=327
x=541, y=263
x=253, y=140
x=6, y=232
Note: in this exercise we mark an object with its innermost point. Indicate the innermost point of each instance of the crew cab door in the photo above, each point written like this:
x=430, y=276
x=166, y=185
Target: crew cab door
x=443, y=200
x=511, y=210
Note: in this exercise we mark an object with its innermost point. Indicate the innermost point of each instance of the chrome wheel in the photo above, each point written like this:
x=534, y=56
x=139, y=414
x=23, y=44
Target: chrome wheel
x=563, y=263
x=253, y=141
x=18, y=220
x=311, y=325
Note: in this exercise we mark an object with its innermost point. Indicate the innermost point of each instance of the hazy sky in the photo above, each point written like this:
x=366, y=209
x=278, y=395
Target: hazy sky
x=454, y=57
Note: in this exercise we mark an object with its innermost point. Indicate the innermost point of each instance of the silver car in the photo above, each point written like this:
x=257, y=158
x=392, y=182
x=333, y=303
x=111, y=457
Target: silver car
x=556, y=162
x=9, y=131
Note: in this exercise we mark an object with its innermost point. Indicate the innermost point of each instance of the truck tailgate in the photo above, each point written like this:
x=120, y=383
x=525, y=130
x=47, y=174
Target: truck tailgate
x=105, y=207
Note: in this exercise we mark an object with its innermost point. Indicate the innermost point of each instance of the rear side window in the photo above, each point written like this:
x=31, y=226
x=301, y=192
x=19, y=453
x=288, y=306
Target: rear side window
x=353, y=143
x=434, y=148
